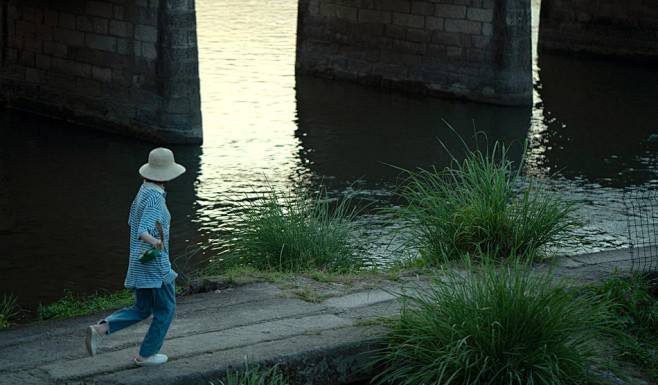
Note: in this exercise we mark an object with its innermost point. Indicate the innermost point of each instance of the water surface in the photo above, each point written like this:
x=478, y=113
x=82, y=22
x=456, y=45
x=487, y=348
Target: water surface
x=66, y=190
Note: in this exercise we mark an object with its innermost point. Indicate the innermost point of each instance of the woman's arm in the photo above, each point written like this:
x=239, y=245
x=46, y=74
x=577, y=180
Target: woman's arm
x=151, y=240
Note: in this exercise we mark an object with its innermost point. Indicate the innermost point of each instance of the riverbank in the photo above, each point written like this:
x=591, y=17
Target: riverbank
x=323, y=342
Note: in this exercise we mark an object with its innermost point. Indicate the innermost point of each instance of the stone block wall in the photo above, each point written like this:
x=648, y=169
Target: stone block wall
x=127, y=66
x=618, y=29
x=473, y=49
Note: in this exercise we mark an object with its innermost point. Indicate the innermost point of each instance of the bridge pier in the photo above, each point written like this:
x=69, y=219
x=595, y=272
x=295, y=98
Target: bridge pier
x=609, y=29
x=477, y=50
x=129, y=67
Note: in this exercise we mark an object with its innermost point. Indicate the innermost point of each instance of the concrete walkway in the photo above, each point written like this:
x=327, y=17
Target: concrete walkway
x=319, y=343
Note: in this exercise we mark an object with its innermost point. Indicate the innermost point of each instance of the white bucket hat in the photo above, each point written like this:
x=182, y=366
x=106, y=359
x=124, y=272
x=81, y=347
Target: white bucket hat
x=161, y=166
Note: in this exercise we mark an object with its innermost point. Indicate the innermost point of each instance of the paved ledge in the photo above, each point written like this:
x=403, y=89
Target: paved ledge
x=319, y=343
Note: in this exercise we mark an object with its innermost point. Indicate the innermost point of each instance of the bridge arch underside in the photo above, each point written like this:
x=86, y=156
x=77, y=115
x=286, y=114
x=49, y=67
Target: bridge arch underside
x=477, y=49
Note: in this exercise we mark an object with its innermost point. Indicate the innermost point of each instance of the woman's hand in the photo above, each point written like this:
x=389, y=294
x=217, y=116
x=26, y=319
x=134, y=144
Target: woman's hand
x=151, y=240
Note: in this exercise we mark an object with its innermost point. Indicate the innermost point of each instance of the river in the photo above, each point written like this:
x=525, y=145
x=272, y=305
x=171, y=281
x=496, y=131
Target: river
x=65, y=191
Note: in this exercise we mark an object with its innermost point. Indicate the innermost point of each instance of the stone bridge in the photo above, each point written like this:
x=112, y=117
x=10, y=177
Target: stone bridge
x=131, y=66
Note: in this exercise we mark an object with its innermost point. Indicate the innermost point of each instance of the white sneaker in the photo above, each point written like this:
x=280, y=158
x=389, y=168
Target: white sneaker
x=92, y=340
x=156, y=359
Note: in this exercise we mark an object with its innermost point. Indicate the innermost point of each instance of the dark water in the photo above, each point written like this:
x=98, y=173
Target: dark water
x=65, y=191
x=600, y=118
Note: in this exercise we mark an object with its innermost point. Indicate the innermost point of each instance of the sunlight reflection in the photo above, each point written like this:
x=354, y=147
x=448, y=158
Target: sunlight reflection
x=248, y=97
x=535, y=164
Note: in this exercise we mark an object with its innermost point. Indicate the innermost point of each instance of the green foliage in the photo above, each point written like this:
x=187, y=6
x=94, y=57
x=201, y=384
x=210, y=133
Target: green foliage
x=8, y=310
x=294, y=233
x=74, y=306
x=477, y=207
x=255, y=376
x=631, y=302
x=495, y=326
x=240, y=275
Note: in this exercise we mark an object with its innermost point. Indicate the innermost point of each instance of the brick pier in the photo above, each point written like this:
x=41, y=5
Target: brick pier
x=477, y=49
x=125, y=66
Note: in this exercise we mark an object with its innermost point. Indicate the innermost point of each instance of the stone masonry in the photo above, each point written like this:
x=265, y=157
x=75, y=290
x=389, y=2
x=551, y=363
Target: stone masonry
x=619, y=29
x=126, y=66
x=474, y=49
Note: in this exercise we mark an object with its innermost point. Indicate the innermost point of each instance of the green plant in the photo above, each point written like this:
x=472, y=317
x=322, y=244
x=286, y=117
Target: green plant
x=255, y=376
x=294, y=233
x=240, y=275
x=308, y=293
x=72, y=306
x=478, y=207
x=631, y=302
x=184, y=266
x=8, y=310
x=495, y=326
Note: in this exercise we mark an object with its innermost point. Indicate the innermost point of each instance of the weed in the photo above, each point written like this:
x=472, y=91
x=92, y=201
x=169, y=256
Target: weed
x=295, y=232
x=477, y=207
x=495, y=326
x=631, y=302
x=72, y=306
x=255, y=376
x=8, y=310
x=309, y=294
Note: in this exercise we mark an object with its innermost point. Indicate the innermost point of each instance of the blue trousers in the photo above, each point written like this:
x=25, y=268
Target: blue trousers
x=161, y=302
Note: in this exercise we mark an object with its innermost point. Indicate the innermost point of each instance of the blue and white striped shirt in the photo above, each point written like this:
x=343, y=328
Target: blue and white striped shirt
x=149, y=206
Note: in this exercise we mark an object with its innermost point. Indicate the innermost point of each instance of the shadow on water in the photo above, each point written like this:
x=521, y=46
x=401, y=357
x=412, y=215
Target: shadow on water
x=600, y=117
x=348, y=132
x=592, y=121
x=64, y=202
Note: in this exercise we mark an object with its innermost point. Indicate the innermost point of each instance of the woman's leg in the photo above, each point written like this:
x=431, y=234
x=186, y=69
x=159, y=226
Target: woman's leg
x=121, y=319
x=164, y=305
x=141, y=310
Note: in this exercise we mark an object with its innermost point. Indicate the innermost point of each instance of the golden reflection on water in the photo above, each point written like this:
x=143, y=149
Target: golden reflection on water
x=246, y=64
x=535, y=164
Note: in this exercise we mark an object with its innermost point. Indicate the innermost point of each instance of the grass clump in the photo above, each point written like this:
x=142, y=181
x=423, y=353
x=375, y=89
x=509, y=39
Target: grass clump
x=495, y=326
x=478, y=207
x=294, y=233
x=255, y=376
x=8, y=310
x=72, y=305
x=633, y=302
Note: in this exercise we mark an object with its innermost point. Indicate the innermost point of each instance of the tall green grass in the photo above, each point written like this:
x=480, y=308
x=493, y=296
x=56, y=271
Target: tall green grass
x=631, y=301
x=495, y=326
x=295, y=232
x=482, y=207
x=8, y=310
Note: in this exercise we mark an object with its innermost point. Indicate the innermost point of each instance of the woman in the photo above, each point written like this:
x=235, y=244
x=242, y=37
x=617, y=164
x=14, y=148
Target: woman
x=152, y=281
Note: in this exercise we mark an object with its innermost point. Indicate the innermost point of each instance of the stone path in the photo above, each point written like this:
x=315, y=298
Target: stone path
x=319, y=343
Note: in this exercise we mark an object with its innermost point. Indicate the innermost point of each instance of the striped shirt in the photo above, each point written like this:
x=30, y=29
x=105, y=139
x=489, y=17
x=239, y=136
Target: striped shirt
x=148, y=207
